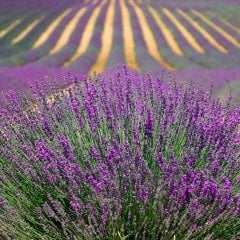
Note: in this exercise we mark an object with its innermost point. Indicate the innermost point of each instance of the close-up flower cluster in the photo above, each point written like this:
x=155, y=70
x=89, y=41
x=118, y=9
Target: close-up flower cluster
x=119, y=156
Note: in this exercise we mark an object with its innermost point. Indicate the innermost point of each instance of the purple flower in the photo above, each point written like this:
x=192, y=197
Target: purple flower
x=118, y=155
x=148, y=126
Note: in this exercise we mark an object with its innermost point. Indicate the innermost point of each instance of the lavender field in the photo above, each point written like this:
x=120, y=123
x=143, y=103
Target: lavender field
x=119, y=119
x=88, y=36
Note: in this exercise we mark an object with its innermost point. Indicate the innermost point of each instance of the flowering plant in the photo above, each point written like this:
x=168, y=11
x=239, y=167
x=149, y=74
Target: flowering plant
x=122, y=156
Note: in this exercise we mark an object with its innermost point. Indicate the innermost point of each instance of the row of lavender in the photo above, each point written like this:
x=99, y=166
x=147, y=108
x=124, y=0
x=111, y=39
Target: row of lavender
x=36, y=4
x=20, y=54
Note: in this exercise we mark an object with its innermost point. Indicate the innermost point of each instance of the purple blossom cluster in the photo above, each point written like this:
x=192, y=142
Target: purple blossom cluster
x=119, y=156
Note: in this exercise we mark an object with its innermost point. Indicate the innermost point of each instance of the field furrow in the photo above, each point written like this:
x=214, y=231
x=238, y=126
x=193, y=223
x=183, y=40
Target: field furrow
x=68, y=30
x=128, y=37
x=9, y=28
x=8, y=50
x=204, y=33
x=86, y=35
x=224, y=22
x=117, y=55
x=185, y=33
x=46, y=34
x=8, y=19
x=189, y=52
x=225, y=34
x=107, y=39
x=167, y=53
x=166, y=33
x=148, y=36
x=26, y=31
x=30, y=55
x=88, y=58
x=230, y=25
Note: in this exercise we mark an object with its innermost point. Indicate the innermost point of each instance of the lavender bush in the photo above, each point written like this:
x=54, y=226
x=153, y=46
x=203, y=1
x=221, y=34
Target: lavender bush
x=121, y=156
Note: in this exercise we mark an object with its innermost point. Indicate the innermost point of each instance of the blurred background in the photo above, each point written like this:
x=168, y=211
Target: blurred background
x=198, y=40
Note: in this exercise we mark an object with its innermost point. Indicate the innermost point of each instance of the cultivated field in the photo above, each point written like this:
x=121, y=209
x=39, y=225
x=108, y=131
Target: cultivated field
x=98, y=34
x=140, y=151
x=89, y=36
